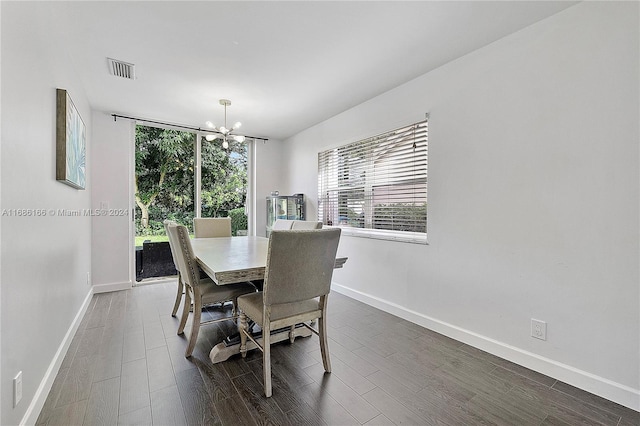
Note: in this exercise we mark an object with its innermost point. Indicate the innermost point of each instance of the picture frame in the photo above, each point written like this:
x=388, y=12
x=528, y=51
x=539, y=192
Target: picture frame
x=70, y=142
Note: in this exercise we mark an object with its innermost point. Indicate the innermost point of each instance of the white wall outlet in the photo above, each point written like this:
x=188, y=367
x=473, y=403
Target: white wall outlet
x=17, y=388
x=538, y=329
x=88, y=278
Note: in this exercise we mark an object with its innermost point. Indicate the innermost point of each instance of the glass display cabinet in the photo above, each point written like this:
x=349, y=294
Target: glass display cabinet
x=284, y=207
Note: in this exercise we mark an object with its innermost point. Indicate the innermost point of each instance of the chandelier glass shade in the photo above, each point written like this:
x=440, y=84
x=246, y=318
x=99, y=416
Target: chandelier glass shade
x=224, y=132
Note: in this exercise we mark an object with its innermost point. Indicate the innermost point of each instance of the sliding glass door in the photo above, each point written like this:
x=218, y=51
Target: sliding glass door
x=180, y=175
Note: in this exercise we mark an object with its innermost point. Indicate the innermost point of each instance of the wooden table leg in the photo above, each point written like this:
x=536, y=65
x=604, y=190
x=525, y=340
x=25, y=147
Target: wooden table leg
x=222, y=352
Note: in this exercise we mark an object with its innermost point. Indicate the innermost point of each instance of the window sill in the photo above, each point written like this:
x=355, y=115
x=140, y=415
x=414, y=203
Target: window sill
x=379, y=234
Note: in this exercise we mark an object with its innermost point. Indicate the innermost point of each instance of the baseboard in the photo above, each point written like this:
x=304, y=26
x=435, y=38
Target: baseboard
x=106, y=288
x=608, y=389
x=32, y=413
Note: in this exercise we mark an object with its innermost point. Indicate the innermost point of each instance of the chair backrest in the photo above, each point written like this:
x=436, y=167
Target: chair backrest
x=306, y=224
x=299, y=264
x=184, y=255
x=212, y=227
x=282, y=224
x=166, y=223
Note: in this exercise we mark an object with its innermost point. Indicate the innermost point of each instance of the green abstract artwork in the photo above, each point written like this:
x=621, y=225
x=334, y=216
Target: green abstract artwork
x=70, y=143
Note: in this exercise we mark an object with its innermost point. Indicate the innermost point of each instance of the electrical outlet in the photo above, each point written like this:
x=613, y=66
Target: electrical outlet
x=17, y=388
x=88, y=278
x=538, y=329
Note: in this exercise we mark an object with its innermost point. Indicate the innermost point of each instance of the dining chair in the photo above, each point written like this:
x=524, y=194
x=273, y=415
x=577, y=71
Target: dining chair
x=200, y=291
x=212, y=227
x=282, y=224
x=306, y=224
x=296, y=289
x=166, y=223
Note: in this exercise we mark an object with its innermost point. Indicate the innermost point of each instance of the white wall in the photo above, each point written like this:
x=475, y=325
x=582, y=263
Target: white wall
x=112, y=172
x=533, y=199
x=269, y=177
x=45, y=260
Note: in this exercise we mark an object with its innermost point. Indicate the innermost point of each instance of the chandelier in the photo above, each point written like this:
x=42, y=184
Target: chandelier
x=223, y=132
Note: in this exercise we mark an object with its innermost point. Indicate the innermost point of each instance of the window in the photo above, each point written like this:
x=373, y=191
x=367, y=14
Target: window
x=377, y=187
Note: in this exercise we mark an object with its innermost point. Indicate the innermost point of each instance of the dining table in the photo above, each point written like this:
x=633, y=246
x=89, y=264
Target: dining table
x=228, y=260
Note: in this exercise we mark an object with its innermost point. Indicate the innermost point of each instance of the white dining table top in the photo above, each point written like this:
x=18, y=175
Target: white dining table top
x=230, y=260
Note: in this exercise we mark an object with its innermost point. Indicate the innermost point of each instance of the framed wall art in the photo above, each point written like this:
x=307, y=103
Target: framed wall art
x=70, y=142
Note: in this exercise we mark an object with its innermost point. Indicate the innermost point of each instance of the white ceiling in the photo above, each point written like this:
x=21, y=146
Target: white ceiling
x=284, y=65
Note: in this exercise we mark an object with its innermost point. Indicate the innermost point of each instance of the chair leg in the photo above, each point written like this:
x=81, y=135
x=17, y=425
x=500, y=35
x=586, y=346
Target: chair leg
x=178, y=296
x=185, y=311
x=324, y=344
x=195, y=326
x=322, y=334
x=243, y=336
x=266, y=357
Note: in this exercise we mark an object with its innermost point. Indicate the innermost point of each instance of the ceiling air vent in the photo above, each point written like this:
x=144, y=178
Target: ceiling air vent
x=122, y=69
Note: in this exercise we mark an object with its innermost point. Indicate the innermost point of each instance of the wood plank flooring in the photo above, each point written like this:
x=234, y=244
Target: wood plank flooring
x=126, y=366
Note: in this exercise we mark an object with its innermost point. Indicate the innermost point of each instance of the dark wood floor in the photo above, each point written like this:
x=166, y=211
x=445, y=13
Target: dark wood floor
x=126, y=366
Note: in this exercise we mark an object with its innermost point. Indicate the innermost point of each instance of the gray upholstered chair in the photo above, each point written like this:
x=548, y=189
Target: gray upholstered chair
x=166, y=223
x=296, y=288
x=282, y=224
x=306, y=224
x=200, y=291
x=212, y=227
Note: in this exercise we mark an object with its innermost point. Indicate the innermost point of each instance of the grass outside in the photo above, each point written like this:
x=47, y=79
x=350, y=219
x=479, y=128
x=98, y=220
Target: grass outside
x=153, y=238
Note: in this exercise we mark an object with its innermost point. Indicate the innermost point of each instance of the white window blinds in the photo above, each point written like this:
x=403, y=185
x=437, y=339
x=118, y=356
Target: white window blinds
x=377, y=187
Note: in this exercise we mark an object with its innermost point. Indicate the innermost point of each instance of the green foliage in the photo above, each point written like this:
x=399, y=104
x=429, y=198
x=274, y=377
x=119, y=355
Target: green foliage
x=224, y=178
x=355, y=219
x=164, y=178
x=400, y=217
x=157, y=214
x=238, y=220
x=164, y=163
